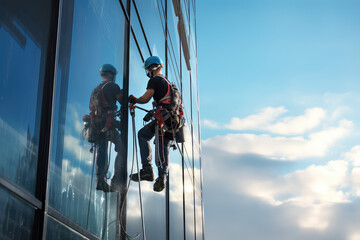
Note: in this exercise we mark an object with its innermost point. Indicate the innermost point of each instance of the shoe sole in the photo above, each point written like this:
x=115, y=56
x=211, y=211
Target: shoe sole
x=142, y=179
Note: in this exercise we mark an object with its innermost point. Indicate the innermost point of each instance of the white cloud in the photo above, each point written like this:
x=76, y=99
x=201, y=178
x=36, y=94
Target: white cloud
x=286, y=126
x=299, y=124
x=354, y=236
x=210, y=124
x=286, y=148
x=257, y=121
x=269, y=120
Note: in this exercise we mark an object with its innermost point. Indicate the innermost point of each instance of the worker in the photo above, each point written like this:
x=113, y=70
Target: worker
x=158, y=87
x=102, y=114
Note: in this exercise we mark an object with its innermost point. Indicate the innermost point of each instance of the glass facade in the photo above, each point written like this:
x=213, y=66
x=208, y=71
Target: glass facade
x=51, y=54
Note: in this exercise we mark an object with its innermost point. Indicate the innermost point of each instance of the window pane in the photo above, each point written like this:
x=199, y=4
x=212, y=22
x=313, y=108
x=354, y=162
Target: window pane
x=91, y=34
x=57, y=231
x=154, y=25
x=16, y=217
x=153, y=202
x=23, y=43
x=189, y=205
x=176, y=197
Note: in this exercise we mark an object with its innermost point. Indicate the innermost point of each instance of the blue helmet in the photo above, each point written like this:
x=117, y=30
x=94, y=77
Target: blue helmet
x=152, y=60
x=108, y=68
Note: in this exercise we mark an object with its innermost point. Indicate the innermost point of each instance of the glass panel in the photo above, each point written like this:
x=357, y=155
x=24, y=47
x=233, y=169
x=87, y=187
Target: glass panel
x=173, y=46
x=192, y=26
x=91, y=34
x=199, y=218
x=16, y=217
x=185, y=13
x=135, y=24
x=153, y=202
x=154, y=25
x=176, y=196
x=24, y=35
x=58, y=231
x=189, y=207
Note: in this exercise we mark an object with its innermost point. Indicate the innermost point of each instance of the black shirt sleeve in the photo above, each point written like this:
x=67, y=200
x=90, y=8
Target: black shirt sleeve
x=151, y=84
x=110, y=92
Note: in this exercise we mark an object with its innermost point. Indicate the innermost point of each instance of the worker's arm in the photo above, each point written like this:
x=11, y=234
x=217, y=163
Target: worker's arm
x=146, y=97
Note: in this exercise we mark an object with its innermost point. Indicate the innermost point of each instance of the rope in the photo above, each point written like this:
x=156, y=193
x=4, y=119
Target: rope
x=91, y=183
x=135, y=155
x=108, y=162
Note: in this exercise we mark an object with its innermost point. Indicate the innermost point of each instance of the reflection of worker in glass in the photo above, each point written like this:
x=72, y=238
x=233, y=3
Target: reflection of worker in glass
x=157, y=88
x=102, y=114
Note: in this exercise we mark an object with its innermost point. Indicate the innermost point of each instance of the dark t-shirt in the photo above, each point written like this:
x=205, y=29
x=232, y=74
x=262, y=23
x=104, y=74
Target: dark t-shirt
x=160, y=87
x=110, y=91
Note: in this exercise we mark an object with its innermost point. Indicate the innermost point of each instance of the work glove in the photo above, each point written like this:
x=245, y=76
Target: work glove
x=132, y=99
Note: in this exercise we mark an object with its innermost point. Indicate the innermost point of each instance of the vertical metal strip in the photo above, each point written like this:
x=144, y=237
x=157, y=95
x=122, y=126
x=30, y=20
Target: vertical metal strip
x=39, y=226
x=124, y=123
x=167, y=193
x=182, y=150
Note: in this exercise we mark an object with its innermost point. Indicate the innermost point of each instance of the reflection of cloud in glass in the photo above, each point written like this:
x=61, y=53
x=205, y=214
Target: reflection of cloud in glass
x=153, y=202
x=75, y=147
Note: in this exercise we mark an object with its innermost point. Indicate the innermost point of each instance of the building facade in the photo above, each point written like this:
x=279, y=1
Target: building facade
x=50, y=55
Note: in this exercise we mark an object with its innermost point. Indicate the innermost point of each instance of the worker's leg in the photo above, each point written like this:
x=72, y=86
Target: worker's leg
x=146, y=173
x=119, y=165
x=145, y=135
x=101, y=165
x=164, y=145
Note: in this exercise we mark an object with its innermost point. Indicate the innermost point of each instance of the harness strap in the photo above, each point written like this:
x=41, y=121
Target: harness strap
x=104, y=102
x=168, y=93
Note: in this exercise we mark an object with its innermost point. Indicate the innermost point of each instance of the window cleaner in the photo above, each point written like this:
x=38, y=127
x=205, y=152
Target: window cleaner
x=167, y=120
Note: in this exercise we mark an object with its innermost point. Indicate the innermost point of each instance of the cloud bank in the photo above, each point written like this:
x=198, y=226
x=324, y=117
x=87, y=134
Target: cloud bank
x=272, y=183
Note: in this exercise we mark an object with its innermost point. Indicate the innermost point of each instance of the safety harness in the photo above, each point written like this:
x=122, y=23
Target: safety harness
x=102, y=116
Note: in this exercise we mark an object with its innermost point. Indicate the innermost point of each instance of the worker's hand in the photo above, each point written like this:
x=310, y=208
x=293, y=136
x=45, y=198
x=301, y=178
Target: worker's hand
x=132, y=99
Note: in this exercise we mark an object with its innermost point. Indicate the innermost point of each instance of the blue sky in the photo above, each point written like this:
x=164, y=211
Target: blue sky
x=279, y=86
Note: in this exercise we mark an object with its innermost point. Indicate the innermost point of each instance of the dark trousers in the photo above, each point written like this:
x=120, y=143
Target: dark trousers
x=145, y=135
x=102, y=161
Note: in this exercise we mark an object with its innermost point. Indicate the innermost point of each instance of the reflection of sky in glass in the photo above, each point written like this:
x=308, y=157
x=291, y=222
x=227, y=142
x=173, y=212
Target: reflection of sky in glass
x=20, y=67
x=153, y=27
x=97, y=38
x=16, y=217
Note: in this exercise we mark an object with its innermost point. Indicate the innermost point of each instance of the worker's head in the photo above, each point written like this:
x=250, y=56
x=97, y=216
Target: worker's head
x=108, y=72
x=153, y=66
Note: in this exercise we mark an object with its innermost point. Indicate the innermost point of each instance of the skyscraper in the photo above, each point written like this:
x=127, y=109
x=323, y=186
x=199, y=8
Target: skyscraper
x=51, y=53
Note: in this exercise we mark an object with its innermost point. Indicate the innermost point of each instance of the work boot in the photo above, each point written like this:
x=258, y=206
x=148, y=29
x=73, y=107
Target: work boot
x=159, y=184
x=145, y=174
x=102, y=185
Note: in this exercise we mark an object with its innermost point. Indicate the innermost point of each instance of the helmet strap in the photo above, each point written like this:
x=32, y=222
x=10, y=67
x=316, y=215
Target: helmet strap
x=149, y=72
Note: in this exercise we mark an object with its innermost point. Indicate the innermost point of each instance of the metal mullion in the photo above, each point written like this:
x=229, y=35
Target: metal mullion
x=21, y=193
x=167, y=194
x=124, y=11
x=55, y=214
x=122, y=200
x=45, y=124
